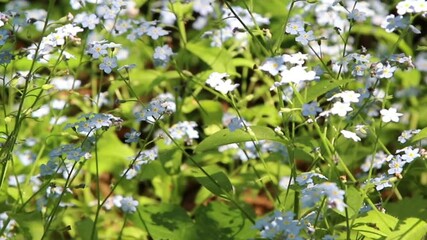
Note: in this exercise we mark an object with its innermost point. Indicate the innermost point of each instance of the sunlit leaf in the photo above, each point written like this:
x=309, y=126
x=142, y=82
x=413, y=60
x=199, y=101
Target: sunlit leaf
x=217, y=182
x=224, y=137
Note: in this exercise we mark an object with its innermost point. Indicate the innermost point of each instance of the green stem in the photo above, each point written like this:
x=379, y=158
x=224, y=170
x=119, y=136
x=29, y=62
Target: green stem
x=98, y=189
x=227, y=195
x=53, y=212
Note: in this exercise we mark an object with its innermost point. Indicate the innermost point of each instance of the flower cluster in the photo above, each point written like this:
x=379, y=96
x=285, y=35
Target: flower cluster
x=144, y=157
x=313, y=192
x=284, y=225
x=221, y=82
x=185, y=130
x=100, y=49
x=291, y=69
x=163, y=104
x=93, y=122
x=162, y=55
x=43, y=51
x=8, y=224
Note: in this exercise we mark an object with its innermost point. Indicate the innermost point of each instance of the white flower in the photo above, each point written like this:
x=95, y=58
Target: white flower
x=216, y=78
x=296, y=58
x=421, y=62
x=347, y=96
x=226, y=87
x=273, y=65
x=385, y=71
x=357, y=16
x=411, y=154
x=295, y=26
x=390, y=115
x=404, y=136
x=305, y=37
x=127, y=204
x=297, y=74
x=108, y=64
x=65, y=82
x=392, y=23
x=203, y=7
x=90, y=22
x=341, y=109
x=221, y=83
x=162, y=53
x=350, y=135
x=407, y=6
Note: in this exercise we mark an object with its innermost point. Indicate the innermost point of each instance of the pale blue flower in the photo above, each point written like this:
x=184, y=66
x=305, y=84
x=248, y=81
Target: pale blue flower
x=108, y=64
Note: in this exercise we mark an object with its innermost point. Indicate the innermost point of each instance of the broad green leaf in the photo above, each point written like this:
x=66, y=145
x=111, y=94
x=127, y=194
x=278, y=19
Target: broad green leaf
x=162, y=187
x=84, y=229
x=369, y=230
x=112, y=154
x=132, y=232
x=222, y=184
x=319, y=88
x=224, y=137
x=189, y=105
x=143, y=81
x=375, y=224
x=211, y=112
x=170, y=156
x=31, y=224
x=263, y=115
x=354, y=202
x=410, y=78
x=409, y=207
x=165, y=221
x=151, y=170
x=217, y=58
x=419, y=136
x=218, y=220
x=409, y=229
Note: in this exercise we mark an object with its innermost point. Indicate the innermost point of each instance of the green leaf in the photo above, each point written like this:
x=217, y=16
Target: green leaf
x=165, y=221
x=221, y=221
x=263, y=115
x=112, y=154
x=408, y=229
x=170, y=156
x=354, y=201
x=217, y=58
x=84, y=229
x=162, y=188
x=409, y=207
x=211, y=112
x=419, y=136
x=151, y=170
x=151, y=79
x=389, y=38
x=223, y=184
x=321, y=87
x=224, y=137
x=410, y=78
x=31, y=224
x=375, y=224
